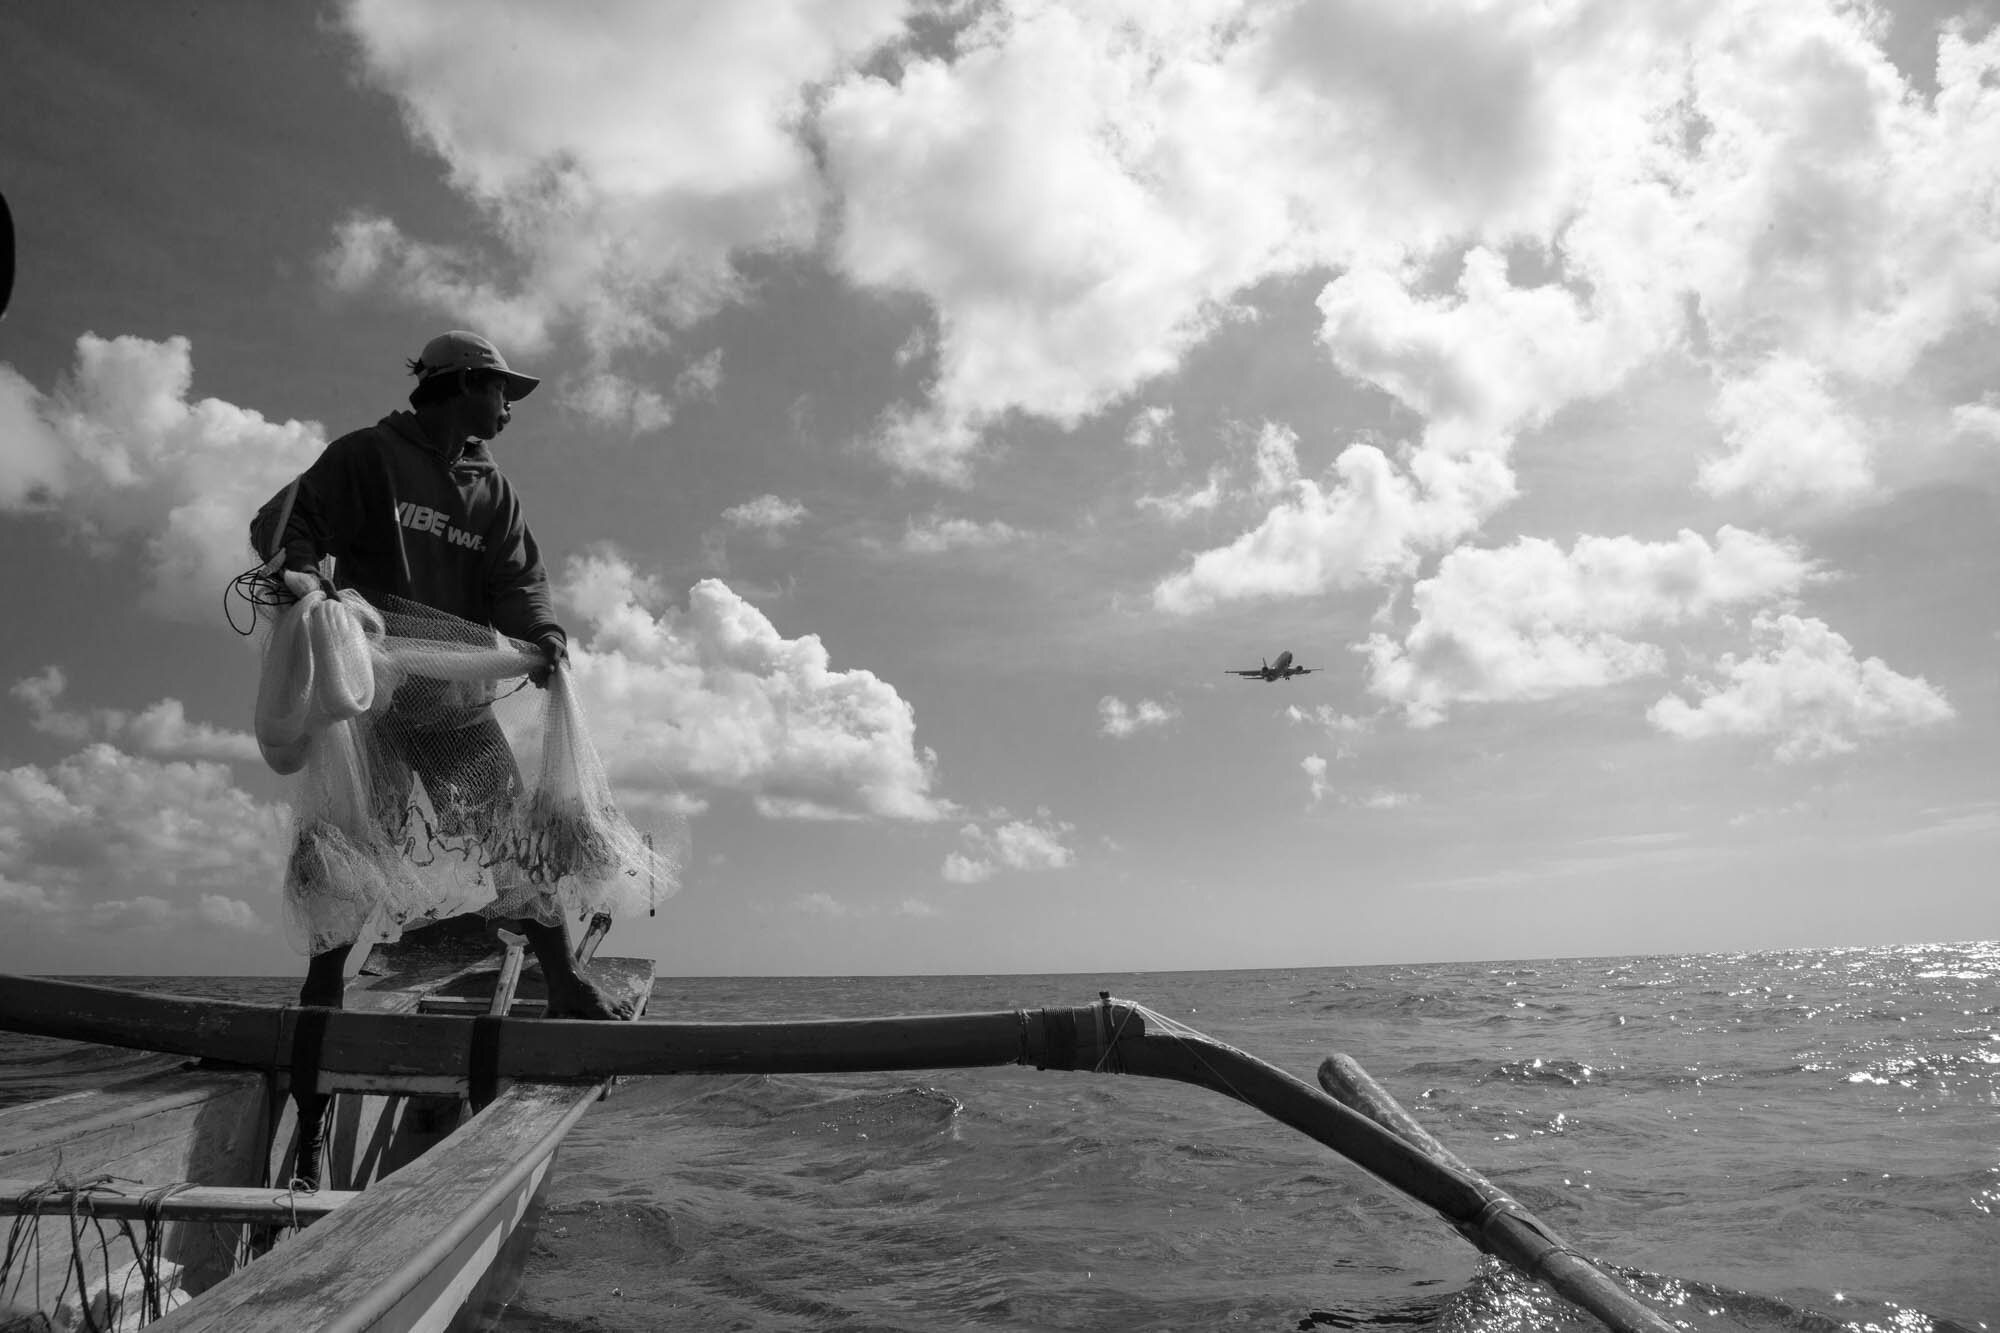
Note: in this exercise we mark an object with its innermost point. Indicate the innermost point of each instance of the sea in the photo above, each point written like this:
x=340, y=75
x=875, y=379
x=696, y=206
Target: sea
x=1796, y=1140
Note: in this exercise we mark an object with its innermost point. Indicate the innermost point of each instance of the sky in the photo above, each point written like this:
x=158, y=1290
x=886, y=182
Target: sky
x=940, y=398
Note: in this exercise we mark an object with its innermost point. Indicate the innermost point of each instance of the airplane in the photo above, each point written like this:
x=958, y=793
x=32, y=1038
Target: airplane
x=1282, y=669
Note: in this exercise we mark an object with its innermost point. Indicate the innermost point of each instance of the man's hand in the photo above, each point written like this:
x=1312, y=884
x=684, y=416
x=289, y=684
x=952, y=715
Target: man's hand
x=555, y=652
x=299, y=582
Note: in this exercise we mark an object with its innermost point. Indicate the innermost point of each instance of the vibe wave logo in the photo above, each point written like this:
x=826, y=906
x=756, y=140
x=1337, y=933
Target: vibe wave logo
x=423, y=518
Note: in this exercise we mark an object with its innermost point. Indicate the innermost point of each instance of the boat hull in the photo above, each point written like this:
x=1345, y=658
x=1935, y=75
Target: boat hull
x=180, y=1125
x=411, y=1251
x=435, y=1198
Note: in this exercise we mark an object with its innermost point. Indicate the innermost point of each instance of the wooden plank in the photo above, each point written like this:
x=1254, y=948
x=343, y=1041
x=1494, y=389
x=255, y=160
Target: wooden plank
x=471, y=1006
x=422, y=955
x=405, y=991
x=486, y=989
x=412, y=1245
x=188, y=1203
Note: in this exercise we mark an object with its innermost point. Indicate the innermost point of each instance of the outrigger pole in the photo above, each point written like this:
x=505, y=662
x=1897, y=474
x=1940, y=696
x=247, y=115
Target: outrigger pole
x=437, y=1053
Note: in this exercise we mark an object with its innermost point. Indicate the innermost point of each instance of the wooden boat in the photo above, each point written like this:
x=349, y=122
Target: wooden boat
x=458, y=1055
x=163, y=1200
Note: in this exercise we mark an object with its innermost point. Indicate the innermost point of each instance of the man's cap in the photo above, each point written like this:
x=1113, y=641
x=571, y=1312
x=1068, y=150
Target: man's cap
x=449, y=353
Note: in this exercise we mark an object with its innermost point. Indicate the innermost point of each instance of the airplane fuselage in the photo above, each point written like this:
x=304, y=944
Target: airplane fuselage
x=1282, y=669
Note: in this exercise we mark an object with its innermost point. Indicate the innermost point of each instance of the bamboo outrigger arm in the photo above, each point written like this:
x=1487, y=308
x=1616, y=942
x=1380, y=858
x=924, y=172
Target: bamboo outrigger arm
x=436, y=1052
x=1502, y=1228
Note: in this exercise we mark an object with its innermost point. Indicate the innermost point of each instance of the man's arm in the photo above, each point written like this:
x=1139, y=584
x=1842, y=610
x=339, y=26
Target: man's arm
x=524, y=600
x=518, y=586
x=324, y=505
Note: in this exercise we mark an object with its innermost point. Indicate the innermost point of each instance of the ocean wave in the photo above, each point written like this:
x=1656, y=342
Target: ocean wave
x=1569, y=1073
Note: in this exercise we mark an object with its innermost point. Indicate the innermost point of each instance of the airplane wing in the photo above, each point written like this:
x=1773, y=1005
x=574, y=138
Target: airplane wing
x=1252, y=672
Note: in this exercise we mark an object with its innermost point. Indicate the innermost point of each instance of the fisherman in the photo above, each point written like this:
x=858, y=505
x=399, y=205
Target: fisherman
x=415, y=508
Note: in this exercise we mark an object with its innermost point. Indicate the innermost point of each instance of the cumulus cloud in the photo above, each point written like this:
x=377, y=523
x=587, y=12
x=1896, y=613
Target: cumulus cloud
x=928, y=441
x=1276, y=456
x=1523, y=204
x=938, y=533
x=962, y=869
x=135, y=471
x=369, y=252
x=1198, y=149
x=624, y=403
x=1195, y=150
x=766, y=513
x=1118, y=719
x=1531, y=621
x=1806, y=691
x=1341, y=728
x=700, y=378
x=1320, y=786
x=1315, y=771
x=714, y=696
x=621, y=163
x=1188, y=501
x=1790, y=439
x=1845, y=220
x=1981, y=418
x=109, y=840
x=618, y=401
x=1762, y=165
x=951, y=176
x=1151, y=428
x=1479, y=365
x=161, y=729
x=1481, y=362
x=822, y=904
x=1010, y=844
x=1369, y=520
x=33, y=459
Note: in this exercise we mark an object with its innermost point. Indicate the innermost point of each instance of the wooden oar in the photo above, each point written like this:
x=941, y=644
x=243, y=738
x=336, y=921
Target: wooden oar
x=1503, y=1228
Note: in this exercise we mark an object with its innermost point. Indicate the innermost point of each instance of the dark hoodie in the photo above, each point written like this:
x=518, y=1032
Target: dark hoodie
x=399, y=517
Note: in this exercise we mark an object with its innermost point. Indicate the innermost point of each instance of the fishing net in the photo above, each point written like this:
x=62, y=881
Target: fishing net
x=403, y=725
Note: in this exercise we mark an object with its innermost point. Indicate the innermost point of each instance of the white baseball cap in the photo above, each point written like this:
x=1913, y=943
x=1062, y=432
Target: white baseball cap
x=449, y=353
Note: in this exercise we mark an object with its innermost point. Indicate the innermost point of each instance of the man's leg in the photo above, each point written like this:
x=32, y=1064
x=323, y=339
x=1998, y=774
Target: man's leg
x=470, y=773
x=325, y=982
x=326, y=978
x=571, y=993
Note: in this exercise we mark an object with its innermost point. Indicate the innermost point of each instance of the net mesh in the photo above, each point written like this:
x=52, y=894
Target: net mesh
x=405, y=728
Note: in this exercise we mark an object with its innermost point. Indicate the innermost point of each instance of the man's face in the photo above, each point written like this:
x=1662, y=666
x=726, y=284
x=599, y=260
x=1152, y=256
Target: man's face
x=487, y=409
